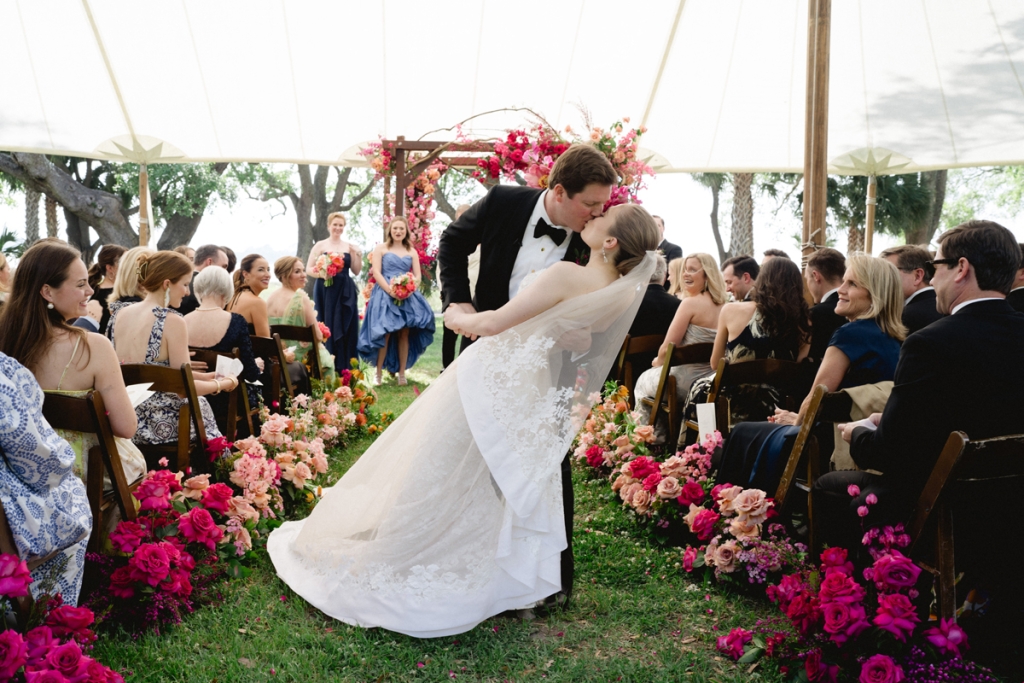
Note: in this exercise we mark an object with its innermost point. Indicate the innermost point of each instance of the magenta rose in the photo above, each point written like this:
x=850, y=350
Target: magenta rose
x=896, y=615
x=704, y=524
x=121, y=583
x=197, y=526
x=691, y=494
x=843, y=621
x=788, y=588
x=72, y=621
x=732, y=644
x=45, y=676
x=14, y=576
x=98, y=673
x=840, y=588
x=217, y=497
x=150, y=564
x=595, y=456
x=643, y=467
x=179, y=583
x=894, y=572
x=67, y=659
x=880, y=669
x=817, y=670
x=947, y=636
x=689, y=556
x=13, y=653
x=128, y=536
x=651, y=482
x=717, y=489
x=39, y=642
x=835, y=559
x=803, y=611
x=155, y=490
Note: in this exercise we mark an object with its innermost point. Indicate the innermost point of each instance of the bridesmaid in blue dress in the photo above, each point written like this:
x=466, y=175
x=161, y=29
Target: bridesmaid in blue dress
x=337, y=305
x=393, y=335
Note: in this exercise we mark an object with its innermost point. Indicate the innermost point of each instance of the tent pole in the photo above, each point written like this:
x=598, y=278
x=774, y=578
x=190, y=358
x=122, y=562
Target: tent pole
x=819, y=148
x=808, y=131
x=869, y=229
x=143, y=206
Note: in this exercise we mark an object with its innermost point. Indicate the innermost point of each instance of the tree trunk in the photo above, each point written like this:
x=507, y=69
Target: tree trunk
x=51, y=217
x=78, y=235
x=95, y=208
x=854, y=238
x=179, y=228
x=716, y=190
x=31, y=214
x=741, y=242
x=924, y=232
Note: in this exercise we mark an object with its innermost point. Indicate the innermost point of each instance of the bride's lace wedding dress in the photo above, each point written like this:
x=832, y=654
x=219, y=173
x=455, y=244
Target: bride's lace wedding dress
x=455, y=513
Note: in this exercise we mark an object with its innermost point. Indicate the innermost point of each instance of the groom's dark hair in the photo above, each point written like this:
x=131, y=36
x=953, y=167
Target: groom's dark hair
x=579, y=166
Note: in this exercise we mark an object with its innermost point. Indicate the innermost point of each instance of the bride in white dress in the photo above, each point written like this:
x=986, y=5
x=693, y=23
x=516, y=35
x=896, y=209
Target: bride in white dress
x=455, y=513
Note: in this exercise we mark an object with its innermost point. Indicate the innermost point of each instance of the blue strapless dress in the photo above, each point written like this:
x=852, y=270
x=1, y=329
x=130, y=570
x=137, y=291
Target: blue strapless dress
x=383, y=317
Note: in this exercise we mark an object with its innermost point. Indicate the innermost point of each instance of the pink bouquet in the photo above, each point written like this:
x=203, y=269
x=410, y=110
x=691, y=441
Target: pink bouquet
x=324, y=330
x=328, y=265
x=401, y=287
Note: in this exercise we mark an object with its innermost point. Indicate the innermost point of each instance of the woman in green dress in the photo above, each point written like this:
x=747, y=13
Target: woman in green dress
x=290, y=305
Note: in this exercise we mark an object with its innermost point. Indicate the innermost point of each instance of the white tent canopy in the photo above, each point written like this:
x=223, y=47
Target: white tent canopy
x=720, y=83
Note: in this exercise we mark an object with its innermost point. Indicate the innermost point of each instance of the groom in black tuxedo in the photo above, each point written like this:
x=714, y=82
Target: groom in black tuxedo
x=520, y=231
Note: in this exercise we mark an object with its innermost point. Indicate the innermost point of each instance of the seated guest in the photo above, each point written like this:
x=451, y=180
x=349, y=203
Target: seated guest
x=824, y=274
x=914, y=265
x=102, y=277
x=1016, y=296
x=740, y=273
x=211, y=327
x=695, y=322
x=963, y=354
x=232, y=259
x=864, y=351
x=674, y=279
x=773, y=253
x=655, y=313
x=669, y=250
x=45, y=503
x=149, y=332
x=186, y=251
x=774, y=324
x=126, y=289
x=51, y=287
x=290, y=305
x=203, y=257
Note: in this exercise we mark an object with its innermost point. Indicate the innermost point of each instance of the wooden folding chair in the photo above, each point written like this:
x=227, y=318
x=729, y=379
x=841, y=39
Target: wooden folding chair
x=175, y=381
x=966, y=470
x=627, y=374
x=279, y=384
x=238, y=400
x=88, y=414
x=681, y=355
x=306, y=335
x=787, y=377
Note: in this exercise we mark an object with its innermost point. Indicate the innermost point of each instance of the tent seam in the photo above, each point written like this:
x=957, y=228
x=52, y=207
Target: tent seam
x=572, y=56
x=938, y=75
x=35, y=78
x=1006, y=50
x=291, y=69
x=479, y=49
x=202, y=76
x=864, y=73
x=110, y=69
x=725, y=82
x=664, y=60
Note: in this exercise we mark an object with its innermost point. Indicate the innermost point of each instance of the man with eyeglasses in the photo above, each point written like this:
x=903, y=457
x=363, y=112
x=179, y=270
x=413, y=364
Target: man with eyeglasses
x=963, y=372
x=913, y=263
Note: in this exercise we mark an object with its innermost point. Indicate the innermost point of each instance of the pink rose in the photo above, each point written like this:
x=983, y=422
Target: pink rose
x=834, y=559
x=674, y=467
x=668, y=488
x=752, y=504
x=725, y=497
x=319, y=463
x=197, y=526
x=818, y=670
x=45, y=676
x=14, y=576
x=642, y=467
x=732, y=644
x=72, y=621
x=595, y=456
x=788, y=588
x=704, y=524
x=651, y=482
x=839, y=587
x=880, y=669
x=66, y=658
x=689, y=557
x=121, y=583
x=947, y=636
x=128, y=536
x=894, y=572
x=252, y=446
x=150, y=563
x=194, y=486
x=39, y=642
x=155, y=490
x=218, y=498
x=725, y=557
x=13, y=653
x=844, y=621
x=178, y=583
x=896, y=615
x=692, y=493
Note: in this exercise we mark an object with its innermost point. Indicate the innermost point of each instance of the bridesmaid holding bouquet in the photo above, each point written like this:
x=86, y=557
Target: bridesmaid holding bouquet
x=334, y=295
x=399, y=323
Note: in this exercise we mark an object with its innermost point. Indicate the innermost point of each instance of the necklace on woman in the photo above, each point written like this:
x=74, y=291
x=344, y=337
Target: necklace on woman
x=214, y=308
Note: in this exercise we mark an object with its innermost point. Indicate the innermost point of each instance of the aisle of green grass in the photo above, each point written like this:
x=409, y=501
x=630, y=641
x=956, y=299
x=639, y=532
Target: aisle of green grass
x=635, y=618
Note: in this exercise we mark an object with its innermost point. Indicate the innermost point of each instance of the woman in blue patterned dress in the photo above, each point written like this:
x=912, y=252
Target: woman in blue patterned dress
x=409, y=324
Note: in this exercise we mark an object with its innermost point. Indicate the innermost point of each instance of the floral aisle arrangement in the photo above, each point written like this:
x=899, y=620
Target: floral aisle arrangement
x=844, y=629
x=54, y=642
x=611, y=432
x=328, y=265
x=401, y=287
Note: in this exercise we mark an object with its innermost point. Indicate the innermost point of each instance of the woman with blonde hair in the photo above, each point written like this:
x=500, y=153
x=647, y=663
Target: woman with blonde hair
x=149, y=332
x=675, y=278
x=395, y=332
x=695, y=322
x=5, y=278
x=126, y=290
x=335, y=296
x=290, y=305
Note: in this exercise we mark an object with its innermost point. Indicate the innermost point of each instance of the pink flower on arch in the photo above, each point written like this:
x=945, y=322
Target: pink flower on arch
x=947, y=636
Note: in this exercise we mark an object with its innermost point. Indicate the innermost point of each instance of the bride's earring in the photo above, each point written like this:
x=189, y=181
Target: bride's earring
x=604, y=255
x=167, y=297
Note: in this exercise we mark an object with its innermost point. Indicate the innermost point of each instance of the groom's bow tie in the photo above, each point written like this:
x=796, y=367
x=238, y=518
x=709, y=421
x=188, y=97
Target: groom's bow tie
x=557, y=235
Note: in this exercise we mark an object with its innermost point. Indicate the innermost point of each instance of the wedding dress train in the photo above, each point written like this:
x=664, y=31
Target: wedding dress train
x=455, y=513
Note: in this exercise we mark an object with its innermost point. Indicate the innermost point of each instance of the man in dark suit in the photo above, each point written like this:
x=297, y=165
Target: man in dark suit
x=206, y=255
x=823, y=274
x=1016, y=296
x=962, y=372
x=914, y=264
x=657, y=309
x=671, y=251
x=521, y=230
x=739, y=274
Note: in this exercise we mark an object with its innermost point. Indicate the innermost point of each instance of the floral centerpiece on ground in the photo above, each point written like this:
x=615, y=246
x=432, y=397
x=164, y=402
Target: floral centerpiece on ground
x=329, y=264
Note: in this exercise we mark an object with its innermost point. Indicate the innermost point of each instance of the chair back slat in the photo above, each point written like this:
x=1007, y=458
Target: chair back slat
x=800, y=444
x=305, y=335
x=271, y=350
x=174, y=381
x=230, y=420
x=692, y=353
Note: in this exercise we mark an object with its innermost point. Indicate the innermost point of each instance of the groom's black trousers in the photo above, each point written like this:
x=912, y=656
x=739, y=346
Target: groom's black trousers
x=568, y=500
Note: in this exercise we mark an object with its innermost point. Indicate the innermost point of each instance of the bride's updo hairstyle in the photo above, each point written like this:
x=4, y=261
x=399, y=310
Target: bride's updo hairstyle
x=637, y=234
x=156, y=268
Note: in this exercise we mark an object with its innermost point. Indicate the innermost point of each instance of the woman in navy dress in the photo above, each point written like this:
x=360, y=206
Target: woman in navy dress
x=394, y=335
x=337, y=305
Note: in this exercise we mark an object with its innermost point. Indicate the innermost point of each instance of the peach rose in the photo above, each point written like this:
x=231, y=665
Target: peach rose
x=194, y=486
x=645, y=433
x=239, y=508
x=726, y=497
x=627, y=492
x=669, y=488
x=621, y=480
x=752, y=505
x=285, y=458
x=674, y=466
x=725, y=557
x=741, y=527
x=641, y=501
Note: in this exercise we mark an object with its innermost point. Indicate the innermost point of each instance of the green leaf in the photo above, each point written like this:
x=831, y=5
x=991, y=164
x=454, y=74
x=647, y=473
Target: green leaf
x=751, y=655
x=758, y=641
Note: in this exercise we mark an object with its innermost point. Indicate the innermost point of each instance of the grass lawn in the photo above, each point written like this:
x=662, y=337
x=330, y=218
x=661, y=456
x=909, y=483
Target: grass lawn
x=635, y=617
